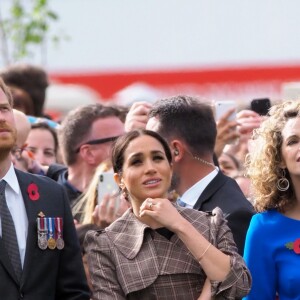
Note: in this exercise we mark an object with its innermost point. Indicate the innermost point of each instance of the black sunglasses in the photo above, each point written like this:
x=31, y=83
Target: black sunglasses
x=98, y=141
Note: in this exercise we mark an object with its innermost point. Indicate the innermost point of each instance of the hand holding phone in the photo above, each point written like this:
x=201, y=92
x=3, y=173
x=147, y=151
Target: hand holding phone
x=225, y=114
x=106, y=185
x=223, y=107
x=261, y=106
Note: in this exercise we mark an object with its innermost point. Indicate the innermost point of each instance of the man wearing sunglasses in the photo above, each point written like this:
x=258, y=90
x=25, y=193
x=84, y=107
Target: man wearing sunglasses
x=85, y=138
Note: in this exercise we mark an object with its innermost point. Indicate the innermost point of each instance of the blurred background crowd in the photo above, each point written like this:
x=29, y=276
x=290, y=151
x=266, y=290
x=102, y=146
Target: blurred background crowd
x=73, y=101
x=195, y=48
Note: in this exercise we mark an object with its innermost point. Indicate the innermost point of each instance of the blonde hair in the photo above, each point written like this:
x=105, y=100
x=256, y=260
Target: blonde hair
x=88, y=201
x=264, y=158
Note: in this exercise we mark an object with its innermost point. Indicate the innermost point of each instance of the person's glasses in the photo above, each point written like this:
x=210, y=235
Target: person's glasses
x=97, y=142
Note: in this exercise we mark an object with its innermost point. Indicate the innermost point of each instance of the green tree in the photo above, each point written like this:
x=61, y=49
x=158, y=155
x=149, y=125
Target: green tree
x=26, y=28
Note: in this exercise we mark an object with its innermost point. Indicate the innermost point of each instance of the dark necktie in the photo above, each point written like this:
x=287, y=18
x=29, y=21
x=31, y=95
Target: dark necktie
x=9, y=235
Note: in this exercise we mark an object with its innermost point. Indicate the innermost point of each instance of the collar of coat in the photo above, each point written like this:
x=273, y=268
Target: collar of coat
x=127, y=233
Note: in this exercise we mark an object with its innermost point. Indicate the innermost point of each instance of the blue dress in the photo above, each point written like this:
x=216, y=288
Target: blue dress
x=271, y=258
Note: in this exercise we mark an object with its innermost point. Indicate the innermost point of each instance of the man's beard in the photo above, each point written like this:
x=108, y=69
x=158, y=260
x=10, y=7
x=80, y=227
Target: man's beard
x=7, y=143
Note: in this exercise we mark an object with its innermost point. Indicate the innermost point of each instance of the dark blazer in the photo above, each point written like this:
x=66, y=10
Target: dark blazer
x=47, y=274
x=59, y=173
x=225, y=193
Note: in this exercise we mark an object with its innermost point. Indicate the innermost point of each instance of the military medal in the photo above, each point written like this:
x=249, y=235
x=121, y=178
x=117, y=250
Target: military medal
x=51, y=241
x=42, y=233
x=60, y=244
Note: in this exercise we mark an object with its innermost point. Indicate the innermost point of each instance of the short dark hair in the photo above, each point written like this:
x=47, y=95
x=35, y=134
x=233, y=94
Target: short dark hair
x=30, y=78
x=7, y=92
x=123, y=141
x=77, y=125
x=189, y=119
x=46, y=126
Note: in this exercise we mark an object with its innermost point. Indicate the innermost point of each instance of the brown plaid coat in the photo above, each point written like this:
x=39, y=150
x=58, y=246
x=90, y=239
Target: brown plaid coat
x=129, y=260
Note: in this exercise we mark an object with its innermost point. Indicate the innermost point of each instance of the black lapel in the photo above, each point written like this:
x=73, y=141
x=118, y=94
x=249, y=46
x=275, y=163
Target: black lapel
x=212, y=187
x=32, y=209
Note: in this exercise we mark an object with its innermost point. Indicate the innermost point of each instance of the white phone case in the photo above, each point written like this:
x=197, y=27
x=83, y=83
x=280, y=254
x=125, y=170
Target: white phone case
x=222, y=107
x=106, y=185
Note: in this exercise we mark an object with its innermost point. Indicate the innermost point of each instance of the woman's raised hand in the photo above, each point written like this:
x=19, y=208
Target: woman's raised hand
x=162, y=211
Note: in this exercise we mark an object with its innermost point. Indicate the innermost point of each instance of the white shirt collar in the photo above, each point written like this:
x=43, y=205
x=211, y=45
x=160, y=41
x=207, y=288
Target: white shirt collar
x=12, y=180
x=191, y=196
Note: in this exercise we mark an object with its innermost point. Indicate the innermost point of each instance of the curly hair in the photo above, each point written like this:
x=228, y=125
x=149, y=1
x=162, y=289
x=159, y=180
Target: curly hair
x=263, y=161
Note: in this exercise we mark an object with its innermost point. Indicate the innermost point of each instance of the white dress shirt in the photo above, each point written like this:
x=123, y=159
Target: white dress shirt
x=191, y=196
x=17, y=209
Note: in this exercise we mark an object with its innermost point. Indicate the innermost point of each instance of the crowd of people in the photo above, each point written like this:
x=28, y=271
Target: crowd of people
x=196, y=215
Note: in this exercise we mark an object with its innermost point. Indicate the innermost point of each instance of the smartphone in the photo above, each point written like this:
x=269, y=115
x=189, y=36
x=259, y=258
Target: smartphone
x=106, y=185
x=222, y=107
x=261, y=106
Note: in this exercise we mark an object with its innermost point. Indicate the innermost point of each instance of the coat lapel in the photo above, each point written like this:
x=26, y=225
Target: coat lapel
x=127, y=234
x=128, y=244
x=134, y=242
x=32, y=209
x=4, y=258
x=212, y=187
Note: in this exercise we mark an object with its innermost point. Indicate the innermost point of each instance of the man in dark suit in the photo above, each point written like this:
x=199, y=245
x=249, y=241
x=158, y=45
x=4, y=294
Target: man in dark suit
x=39, y=250
x=190, y=129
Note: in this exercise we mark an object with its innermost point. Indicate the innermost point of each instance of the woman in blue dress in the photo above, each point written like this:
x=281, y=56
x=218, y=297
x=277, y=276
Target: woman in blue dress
x=272, y=249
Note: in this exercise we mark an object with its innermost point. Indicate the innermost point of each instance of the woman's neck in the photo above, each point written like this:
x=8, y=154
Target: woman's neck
x=293, y=212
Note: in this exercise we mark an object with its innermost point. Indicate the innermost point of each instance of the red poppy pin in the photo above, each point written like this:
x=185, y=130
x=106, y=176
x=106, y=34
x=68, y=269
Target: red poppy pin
x=294, y=246
x=33, y=192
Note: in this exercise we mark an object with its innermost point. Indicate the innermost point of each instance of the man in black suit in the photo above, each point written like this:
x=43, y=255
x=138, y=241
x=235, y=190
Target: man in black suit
x=39, y=250
x=190, y=129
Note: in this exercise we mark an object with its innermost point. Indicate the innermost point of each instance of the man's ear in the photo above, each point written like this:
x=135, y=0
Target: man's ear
x=177, y=150
x=85, y=153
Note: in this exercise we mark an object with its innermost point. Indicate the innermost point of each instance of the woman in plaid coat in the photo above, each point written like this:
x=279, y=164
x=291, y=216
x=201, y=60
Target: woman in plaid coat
x=158, y=250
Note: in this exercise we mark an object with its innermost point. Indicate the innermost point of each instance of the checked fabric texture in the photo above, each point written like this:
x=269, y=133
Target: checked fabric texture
x=9, y=235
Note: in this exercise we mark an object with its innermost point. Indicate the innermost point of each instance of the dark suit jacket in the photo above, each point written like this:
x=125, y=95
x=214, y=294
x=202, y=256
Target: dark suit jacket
x=47, y=274
x=225, y=193
x=59, y=173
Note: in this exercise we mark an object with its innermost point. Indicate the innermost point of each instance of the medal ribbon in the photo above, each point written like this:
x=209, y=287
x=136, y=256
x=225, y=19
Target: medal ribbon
x=42, y=225
x=51, y=227
x=58, y=225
